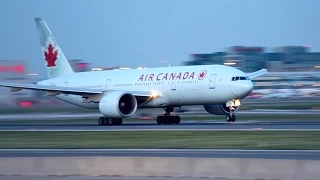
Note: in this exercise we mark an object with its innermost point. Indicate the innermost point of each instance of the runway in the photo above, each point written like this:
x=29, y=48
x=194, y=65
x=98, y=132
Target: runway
x=30, y=177
x=194, y=112
x=201, y=153
x=151, y=125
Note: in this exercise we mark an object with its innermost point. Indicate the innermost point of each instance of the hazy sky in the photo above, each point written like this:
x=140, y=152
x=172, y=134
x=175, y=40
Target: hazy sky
x=132, y=33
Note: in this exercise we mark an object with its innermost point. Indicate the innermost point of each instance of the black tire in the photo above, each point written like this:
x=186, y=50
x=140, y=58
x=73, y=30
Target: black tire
x=160, y=120
x=171, y=119
x=233, y=118
x=176, y=120
x=167, y=119
x=111, y=121
x=101, y=121
x=105, y=121
x=228, y=118
x=118, y=121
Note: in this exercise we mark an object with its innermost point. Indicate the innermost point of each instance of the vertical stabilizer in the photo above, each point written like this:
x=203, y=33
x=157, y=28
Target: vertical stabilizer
x=55, y=61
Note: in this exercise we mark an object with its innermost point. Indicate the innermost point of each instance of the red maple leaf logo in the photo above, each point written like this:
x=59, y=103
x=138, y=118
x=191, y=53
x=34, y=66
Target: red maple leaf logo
x=51, y=56
x=202, y=74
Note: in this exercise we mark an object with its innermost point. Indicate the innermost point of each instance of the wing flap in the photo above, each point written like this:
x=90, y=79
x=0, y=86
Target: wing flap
x=15, y=89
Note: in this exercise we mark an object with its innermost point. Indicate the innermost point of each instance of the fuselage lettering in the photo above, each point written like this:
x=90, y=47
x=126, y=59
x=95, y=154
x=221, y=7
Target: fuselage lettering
x=166, y=76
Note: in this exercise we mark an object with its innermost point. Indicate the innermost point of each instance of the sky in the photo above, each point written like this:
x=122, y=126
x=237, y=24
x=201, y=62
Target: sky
x=131, y=33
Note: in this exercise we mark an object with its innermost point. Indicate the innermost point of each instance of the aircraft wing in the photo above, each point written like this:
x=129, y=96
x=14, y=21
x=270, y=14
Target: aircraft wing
x=257, y=73
x=56, y=90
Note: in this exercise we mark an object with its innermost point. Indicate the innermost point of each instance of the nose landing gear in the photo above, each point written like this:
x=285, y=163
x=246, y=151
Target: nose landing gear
x=166, y=118
x=232, y=107
x=230, y=118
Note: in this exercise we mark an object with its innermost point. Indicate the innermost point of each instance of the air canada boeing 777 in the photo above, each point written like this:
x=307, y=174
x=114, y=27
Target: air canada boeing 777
x=117, y=94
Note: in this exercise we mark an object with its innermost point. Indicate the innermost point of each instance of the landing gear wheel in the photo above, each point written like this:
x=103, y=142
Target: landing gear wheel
x=160, y=120
x=118, y=121
x=168, y=119
x=101, y=121
x=105, y=121
x=176, y=119
x=233, y=118
x=230, y=118
x=111, y=121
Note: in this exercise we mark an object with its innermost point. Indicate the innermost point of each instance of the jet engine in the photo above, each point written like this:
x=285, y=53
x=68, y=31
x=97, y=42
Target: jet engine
x=118, y=104
x=219, y=109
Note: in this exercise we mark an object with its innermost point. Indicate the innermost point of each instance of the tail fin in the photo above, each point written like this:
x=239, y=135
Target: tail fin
x=56, y=63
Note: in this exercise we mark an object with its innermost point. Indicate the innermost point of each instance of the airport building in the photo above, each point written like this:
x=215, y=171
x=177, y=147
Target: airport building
x=290, y=67
x=249, y=59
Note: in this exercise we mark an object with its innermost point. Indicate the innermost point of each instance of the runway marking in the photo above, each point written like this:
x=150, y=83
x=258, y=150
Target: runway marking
x=101, y=130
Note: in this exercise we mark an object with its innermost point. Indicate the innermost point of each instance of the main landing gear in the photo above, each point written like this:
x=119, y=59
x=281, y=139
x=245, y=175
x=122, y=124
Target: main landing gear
x=167, y=119
x=103, y=121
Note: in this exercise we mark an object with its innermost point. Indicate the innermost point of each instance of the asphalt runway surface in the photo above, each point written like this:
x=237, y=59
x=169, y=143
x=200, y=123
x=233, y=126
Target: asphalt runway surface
x=192, y=153
x=152, y=125
x=56, y=122
x=103, y=178
x=74, y=115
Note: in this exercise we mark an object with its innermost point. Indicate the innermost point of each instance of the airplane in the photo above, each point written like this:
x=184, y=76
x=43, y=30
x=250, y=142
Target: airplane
x=117, y=94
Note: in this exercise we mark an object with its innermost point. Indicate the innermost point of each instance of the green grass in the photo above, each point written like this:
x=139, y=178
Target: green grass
x=163, y=139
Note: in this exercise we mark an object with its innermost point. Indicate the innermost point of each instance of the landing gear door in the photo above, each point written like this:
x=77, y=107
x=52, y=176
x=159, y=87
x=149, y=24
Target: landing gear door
x=212, y=81
x=108, y=84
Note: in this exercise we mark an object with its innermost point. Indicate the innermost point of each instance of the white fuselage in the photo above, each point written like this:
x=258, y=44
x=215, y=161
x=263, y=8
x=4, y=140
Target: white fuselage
x=178, y=86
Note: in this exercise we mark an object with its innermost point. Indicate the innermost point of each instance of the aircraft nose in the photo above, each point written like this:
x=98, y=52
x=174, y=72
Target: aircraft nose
x=242, y=89
x=247, y=88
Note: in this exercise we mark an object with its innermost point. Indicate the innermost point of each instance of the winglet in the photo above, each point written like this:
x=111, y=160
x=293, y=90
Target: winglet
x=257, y=73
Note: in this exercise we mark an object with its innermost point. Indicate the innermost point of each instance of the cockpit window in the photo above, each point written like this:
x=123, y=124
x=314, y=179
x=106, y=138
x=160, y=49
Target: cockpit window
x=239, y=78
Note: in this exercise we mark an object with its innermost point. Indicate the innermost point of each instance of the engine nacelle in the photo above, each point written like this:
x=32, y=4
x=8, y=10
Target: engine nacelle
x=219, y=109
x=118, y=104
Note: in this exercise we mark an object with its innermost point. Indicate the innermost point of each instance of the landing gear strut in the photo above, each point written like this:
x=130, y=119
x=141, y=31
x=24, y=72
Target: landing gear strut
x=166, y=118
x=103, y=121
